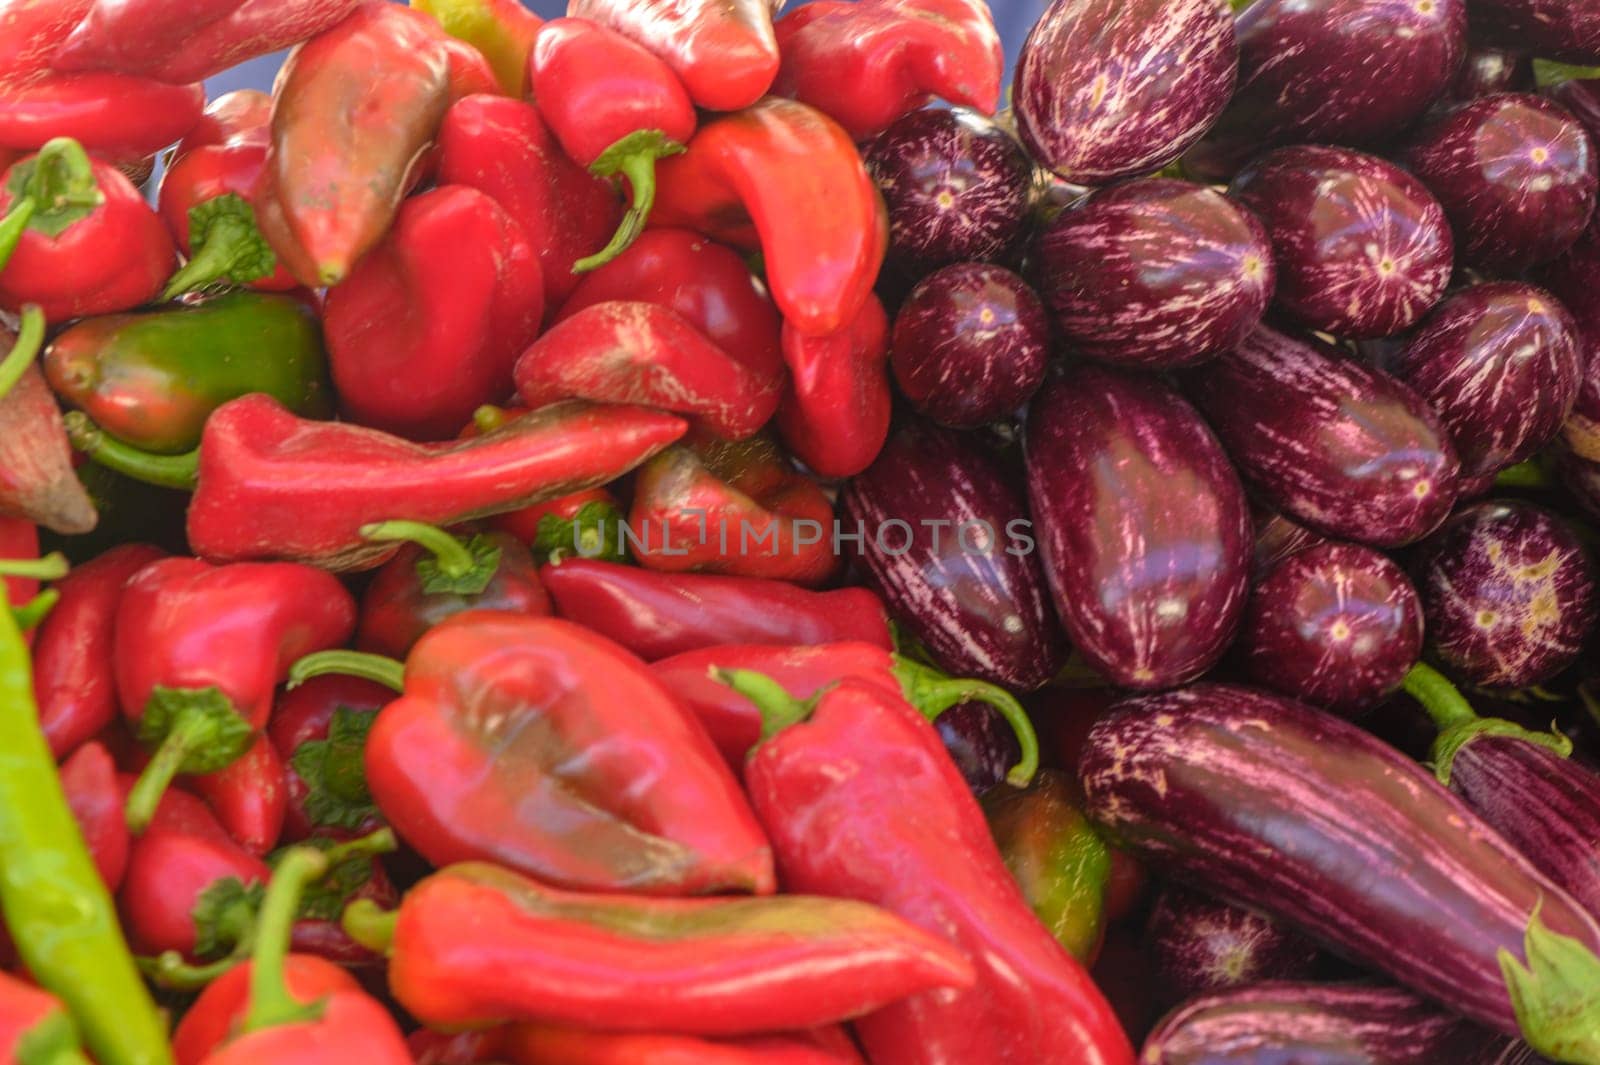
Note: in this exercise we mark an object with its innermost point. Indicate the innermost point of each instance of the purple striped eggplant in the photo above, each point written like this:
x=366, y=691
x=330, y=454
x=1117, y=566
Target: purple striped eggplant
x=1279, y=807
x=1508, y=594
x=1516, y=175
x=1581, y=99
x=1568, y=30
x=1339, y=446
x=1343, y=71
x=1199, y=945
x=1362, y=248
x=1580, y=433
x=982, y=744
x=1277, y=537
x=1574, y=279
x=949, y=548
x=1500, y=363
x=1336, y=625
x=1487, y=70
x=956, y=186
x=1142, y=524
x=1107, y=89
x=970, y=344
x=1154, y=273
x=1323, y=1024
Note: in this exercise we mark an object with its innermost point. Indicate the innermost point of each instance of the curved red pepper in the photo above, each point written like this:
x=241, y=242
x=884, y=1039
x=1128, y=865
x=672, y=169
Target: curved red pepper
x=656, y=615
x=536, y=743
x=838, y=402
x=867, y=62
x=646, y=354
x=320, y=730
x=243, y=116
x=784, y=177
x=34, y=1025
x=19, y=540
x=94, y=793
x=73, y=677
x=38, y=481
x=117, y=117
x=430, y=322
x=214, y=1017
x=535, y=1044
x=249, y=796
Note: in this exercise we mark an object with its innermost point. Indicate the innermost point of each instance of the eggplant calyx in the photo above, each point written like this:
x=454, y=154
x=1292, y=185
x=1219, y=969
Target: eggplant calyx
x=1556, y=995
x=1452, y=739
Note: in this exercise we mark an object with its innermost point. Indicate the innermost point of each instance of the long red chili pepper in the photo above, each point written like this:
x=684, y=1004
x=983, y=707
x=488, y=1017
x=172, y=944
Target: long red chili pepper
x=250, y=796
x=94, y=793
x=837, y=404
x=542, y=1044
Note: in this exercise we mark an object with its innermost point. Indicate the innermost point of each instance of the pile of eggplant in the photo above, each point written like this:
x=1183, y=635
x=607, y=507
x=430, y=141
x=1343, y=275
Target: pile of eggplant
x=1279, y=417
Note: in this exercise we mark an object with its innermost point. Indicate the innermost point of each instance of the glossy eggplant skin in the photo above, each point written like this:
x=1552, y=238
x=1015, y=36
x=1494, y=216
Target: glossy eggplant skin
x=1500, y=363
x=1362, y=247
x=1335, y=625
x=1284, y=1023
x=1199, y=945
x=1336, y=445
x=1508, y=593
x=1568, y=30
x=1574, y=279
x=1342, y=71
x=1154, y=273
x=1277, y=537
x=1282, y=808
x=981, y=744
x=1108, y=89
x=1580, y=97
x=966, y=584
x=1580, y=433
x=1516, y=175
x=1487, y=70
x=1142, y=524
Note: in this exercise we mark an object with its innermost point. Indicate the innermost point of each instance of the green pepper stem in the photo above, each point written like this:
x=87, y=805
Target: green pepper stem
x=779, y=709
x=271, y=1004
x=1440, y=698
x=489, y=417
x=190, y=730
x=51, y=567
x=23, y=353
x=455, y=561
x=166, y=471
x=214, y=261
x=1528, y=474
x=13, y=225
x=378, y=668
x=168, y=969
x=370, y=925
x=35, y=610
x=381, y=841
x=634, y=157
x=932, y=693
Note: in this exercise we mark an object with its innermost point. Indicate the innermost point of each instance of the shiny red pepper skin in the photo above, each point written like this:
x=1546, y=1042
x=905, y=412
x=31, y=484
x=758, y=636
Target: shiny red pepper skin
x=559, y=525
x=34, y=1025
x=243, y=116
x=784, y=177
x=451, y=297
x=502, y=147
x=540, y=745
x=533, y=1044
x=330, y=796
x=89, y=778
x=73, y=678
x=215, y=1015
x=19, y=539
x=867, y=62
x=833, y=790
x=249, y=796
x=656, y=615
x=723, y=50
x=634, y=352
x=836, y=407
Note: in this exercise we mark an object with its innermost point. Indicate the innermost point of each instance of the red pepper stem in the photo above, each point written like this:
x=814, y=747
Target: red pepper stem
x=932, y=693
x=271, y=1004
x=370, y=925
x=488, y=418
x=227, y=246
x=51, y=567
x=36, y=609
x=166, y=471
x=23, y=353
x=191, y=730
x=378, y=668
x=381, y=841
x=779, y=709
x=49, y=192
x=454, y=559
x=169, y=970
x=13, y=225
x=634, y=157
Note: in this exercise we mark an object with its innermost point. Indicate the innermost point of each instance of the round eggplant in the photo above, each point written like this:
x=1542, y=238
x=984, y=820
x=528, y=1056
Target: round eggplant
x=1488, y=70
x=1107, y=89
x=1155, y=273
x=1142, y=523
x=970, y=345
x=1501, y=364
x=1337, y=445
x=1199, y=945
x=1336, y=625
x=1568, y=30
x=956, y=185
x=1342, y=71
x=946, y=542
x=1516, y=175
x=1362, y=248
x=1508, y=592
x=982, y=745
x=1574, y=279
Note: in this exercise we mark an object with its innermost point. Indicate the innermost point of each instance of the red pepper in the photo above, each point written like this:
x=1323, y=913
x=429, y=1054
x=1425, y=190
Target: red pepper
x=537, y=744
x=784, y=177
x=644, y=353
x=836, y=407
x=318, y=929
x=476, y=944
x=502, y=147
x=656, y=615
x=732, y=509
x=19, y=542
x=723, y=50
x=117, y=117
x=615, y=108
x=429, y=324
x=249, y=796
x=355, y=108
x=586, y=523
x=89, y=243
x=243, y=116
x=73, y=678
x=37, y=480
x=458, y=1048
x=536, y=1044
x=833, y=784
x=320, y=730
x=89, y=778
x=215, y=1015
x=199, y=650
x=503, y=31
x=867, y=62
x=470, y=72
x=35, y=1026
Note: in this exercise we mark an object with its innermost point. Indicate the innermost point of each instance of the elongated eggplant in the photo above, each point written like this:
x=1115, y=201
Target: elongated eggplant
x=1107, y=89
x=1344, y=448
x=1516, y=176
x=1322, y=1024
x=1346, y=71
x=1155, y=273
x=1302, y=815
x=1362, y=248
x=946, y=542
x=1199, y=945
x=1142, y=524
x=1500, y=363
x=1568, y=30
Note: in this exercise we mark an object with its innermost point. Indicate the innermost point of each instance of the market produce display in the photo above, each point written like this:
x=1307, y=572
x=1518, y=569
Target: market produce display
x=701, y=533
